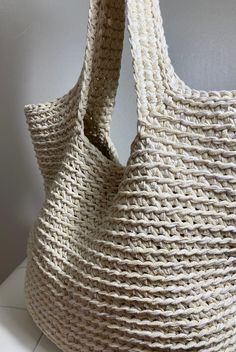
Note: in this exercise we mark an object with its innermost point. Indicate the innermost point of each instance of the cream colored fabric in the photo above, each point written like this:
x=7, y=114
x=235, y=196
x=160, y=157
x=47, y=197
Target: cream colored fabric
x=138, y=257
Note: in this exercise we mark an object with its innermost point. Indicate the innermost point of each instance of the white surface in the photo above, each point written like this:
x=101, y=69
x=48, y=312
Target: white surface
x=41, y=51
x=18, y=333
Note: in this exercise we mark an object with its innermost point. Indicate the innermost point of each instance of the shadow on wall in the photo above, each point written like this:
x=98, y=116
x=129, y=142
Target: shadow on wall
x=18, y=187
x=36, y=43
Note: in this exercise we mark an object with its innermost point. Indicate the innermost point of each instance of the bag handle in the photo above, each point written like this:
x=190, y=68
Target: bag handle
x=153, y=71
x=100, y=73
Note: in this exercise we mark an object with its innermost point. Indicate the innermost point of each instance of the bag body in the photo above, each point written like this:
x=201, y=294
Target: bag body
x=139, y=257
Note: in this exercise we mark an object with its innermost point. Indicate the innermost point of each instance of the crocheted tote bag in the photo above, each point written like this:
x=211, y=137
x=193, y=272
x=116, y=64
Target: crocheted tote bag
x=142, y=257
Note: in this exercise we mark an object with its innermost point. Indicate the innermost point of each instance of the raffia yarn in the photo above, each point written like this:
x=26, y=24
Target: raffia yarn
x=142, y=257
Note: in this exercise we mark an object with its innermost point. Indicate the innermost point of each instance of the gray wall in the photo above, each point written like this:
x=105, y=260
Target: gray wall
x=42, y=45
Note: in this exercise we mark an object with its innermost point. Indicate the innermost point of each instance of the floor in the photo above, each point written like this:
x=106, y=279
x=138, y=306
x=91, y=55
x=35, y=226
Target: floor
x=18, y=333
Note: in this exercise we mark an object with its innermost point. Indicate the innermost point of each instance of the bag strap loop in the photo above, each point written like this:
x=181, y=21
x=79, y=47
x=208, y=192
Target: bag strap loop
x=101, y=67
x=153, y=71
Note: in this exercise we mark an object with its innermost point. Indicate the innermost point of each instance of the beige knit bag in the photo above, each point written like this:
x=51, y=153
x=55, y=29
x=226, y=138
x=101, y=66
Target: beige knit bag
x=142, y=257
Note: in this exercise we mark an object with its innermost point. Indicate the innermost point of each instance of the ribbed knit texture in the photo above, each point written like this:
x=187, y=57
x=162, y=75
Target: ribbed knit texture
x=142, y=257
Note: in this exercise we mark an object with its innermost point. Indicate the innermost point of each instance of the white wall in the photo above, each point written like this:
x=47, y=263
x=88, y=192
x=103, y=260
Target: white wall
x=41, y=51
